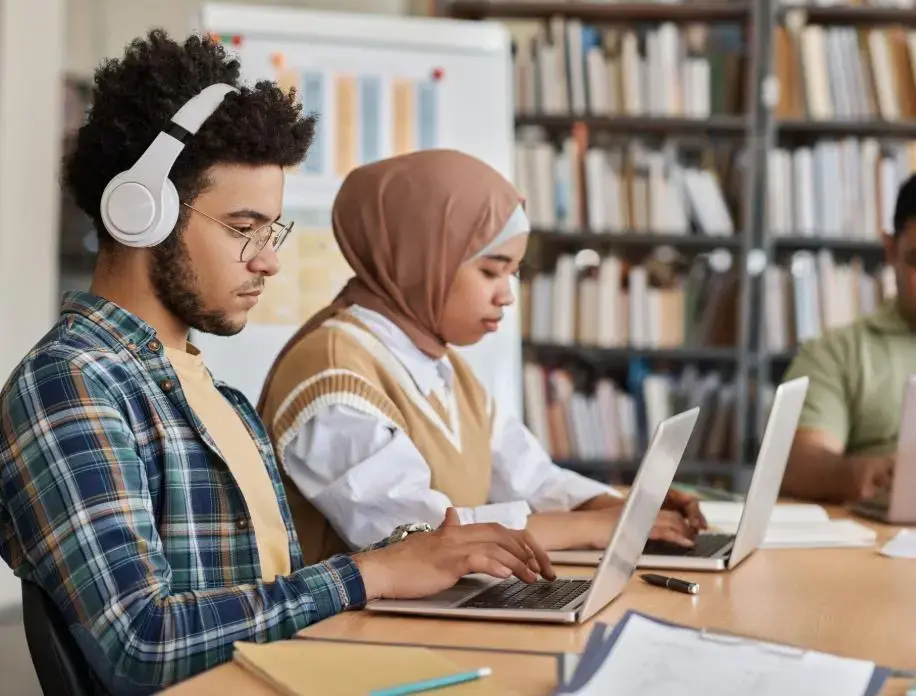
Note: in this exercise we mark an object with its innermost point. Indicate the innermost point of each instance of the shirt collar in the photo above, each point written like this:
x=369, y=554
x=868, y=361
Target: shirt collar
x=888, y=320
x=428, y=373
x=128, y=329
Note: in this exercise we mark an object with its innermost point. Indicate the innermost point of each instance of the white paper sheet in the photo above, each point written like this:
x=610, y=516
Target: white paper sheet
x=651, y=659
x=903, y=545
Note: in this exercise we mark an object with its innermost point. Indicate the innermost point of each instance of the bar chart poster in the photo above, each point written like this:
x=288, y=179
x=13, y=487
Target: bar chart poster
x=367, y=107
x=363, y=117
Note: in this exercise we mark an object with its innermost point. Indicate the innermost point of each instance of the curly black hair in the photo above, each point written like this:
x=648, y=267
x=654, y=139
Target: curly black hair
x=135, y=97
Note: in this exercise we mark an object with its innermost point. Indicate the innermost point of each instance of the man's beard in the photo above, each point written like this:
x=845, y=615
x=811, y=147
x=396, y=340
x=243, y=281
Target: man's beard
x=175, y=284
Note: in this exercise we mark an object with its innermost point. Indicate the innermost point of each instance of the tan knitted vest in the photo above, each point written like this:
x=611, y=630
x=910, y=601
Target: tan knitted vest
x=344, y=363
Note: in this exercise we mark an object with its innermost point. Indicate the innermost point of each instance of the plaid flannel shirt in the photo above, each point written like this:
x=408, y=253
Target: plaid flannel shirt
x=115, y=500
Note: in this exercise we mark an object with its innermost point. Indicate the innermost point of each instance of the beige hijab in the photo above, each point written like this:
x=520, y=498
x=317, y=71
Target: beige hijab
x=406, y=225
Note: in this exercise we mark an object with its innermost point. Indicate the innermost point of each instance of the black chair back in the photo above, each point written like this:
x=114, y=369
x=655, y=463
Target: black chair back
x=62, y=670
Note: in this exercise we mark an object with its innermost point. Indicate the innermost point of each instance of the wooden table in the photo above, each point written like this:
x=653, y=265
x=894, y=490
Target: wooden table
x=850, y=602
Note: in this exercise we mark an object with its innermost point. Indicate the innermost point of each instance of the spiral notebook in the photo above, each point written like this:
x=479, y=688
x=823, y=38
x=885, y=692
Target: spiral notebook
x=644, y=656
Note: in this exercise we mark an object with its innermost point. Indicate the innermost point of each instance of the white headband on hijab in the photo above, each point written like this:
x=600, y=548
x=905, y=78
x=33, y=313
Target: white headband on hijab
x=516, y=224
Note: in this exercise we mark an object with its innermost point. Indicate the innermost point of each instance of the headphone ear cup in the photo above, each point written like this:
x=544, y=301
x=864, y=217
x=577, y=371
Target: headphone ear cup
x=168, y=217
x=126, y=209
x=131, y=214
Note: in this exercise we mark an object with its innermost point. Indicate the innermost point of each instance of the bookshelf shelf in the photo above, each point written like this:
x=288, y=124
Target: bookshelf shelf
x=853, y=16
x=621, y=356
x=603, y=13
x=872, y=250
x=843, y=129
x=719, y=126
x=631, y=239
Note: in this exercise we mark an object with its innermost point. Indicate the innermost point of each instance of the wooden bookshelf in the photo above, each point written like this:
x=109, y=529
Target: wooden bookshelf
x=727, y=12
x=726, y=128
x=758, y=131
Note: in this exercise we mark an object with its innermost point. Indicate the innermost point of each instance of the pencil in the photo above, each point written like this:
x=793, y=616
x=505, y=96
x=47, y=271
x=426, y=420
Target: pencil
x=429, y=684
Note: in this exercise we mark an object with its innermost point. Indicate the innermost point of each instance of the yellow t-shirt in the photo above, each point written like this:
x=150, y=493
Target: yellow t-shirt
x=242, y=456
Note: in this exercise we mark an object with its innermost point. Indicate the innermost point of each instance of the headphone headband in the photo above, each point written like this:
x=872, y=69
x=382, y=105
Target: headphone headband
x=140, y=206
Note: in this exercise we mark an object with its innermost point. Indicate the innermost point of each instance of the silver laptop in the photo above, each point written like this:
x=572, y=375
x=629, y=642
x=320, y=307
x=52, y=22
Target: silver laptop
x=898, y=505
x=725, y=551
x=715, y=551
x=570, y=600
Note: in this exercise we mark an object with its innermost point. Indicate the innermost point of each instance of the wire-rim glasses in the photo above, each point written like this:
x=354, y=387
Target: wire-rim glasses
x=256, y=240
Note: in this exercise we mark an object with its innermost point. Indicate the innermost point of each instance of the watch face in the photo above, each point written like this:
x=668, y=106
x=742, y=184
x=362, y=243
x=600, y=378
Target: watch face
x=401, y=532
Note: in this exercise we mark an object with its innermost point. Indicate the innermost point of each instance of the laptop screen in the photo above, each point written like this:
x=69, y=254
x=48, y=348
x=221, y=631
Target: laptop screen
x=653, y=479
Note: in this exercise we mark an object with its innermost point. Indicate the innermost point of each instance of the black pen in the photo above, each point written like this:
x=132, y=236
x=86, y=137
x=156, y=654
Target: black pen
x=671, y=583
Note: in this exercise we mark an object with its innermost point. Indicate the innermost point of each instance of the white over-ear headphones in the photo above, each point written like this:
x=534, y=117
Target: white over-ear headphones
x=140, y=206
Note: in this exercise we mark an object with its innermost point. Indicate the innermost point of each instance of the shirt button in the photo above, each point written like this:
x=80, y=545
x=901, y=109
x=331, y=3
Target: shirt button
x=167, y=385
x=241, y=523
x=154, y=345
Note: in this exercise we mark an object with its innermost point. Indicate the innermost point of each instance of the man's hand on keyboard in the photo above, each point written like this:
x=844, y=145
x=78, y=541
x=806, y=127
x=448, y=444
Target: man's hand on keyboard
x=687, y=506
x=428, y=562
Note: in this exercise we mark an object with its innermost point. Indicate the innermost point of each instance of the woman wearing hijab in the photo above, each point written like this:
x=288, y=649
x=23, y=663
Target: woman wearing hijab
x=377, y=421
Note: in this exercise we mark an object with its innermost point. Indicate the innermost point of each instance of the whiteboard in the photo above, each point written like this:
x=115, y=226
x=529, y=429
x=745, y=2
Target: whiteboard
x=380, y=85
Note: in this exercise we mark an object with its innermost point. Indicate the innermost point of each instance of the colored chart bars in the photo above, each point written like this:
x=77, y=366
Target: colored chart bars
x=364, y=118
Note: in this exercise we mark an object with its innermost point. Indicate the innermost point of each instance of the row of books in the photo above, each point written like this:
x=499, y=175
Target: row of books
x=608, y=303
x=630, y=187
x=573, y=419
x=666, y=70
x=846, y=188
x=815, y=294
x=844, y=73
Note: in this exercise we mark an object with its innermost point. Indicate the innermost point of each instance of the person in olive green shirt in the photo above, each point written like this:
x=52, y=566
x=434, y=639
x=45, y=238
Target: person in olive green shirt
x=845, y=445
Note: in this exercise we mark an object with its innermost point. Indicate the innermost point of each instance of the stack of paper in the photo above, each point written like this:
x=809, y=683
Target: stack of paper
x=647, y=657
x=332, y=668
x=792, y=526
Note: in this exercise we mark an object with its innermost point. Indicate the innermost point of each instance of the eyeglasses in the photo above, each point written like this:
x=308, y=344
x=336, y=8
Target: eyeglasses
x=255, y=240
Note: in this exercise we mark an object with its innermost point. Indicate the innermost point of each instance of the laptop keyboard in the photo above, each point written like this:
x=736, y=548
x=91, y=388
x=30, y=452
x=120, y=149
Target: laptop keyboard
x=515, y=594
x=706, y=546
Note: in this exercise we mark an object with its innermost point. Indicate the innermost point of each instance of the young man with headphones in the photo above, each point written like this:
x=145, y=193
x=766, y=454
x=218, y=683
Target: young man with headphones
x=139, y=494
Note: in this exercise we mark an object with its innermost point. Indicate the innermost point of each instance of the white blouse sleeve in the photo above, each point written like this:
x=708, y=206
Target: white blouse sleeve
x=522, y=470
x=366, y=477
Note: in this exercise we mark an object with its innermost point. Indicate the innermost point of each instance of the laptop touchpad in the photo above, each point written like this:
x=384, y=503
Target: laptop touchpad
x=465, y=587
